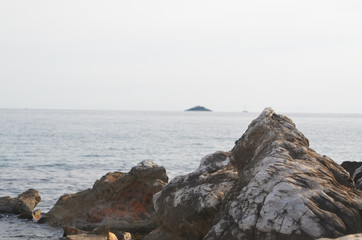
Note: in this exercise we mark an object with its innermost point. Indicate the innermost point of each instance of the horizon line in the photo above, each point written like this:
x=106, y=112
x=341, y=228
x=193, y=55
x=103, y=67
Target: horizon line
x=184, y=110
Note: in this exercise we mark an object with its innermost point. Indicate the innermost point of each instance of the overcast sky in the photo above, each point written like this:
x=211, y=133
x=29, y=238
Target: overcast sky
x=295, y=56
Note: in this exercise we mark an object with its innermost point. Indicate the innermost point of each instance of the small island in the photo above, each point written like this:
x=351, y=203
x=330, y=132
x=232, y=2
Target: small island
x=199, y=108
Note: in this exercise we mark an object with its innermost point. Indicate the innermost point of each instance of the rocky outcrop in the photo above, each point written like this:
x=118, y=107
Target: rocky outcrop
x=283, y=190
x=119, y=200
x=188, y=203
x=286, y=190
x=22, y=205
x=355, y=170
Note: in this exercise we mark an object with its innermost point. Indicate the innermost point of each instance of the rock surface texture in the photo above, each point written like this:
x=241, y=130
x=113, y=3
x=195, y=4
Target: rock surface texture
x=122, y=201
x=23, y=204
x=282, y=190
x=188, y=203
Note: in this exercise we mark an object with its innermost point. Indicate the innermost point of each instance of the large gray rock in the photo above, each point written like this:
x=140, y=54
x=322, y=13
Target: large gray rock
x=23, y=204
x=284, y=190
x=122, y=201
x=188, y=204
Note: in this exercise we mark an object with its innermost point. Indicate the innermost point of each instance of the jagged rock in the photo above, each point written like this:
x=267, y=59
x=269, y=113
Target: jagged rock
x=284, y=190
x=120, y=200
x=188, y=203
x=22, y=205
x=102, y=233
x=347, y=237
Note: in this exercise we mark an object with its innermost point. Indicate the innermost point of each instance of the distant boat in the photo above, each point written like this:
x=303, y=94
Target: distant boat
x=245, y=111
x=199, y=108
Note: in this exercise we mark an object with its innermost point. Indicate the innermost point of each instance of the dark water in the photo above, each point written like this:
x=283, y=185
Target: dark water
x=58, y=152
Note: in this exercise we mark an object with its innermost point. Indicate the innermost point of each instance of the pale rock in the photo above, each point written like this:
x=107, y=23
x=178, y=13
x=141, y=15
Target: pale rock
x=285, y=190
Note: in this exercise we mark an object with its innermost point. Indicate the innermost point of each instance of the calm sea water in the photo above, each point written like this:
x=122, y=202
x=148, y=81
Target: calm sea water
x=58, y=152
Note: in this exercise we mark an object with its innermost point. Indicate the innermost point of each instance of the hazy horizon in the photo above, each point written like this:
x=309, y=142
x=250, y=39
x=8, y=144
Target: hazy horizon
x=229, y=56
x=183, y=110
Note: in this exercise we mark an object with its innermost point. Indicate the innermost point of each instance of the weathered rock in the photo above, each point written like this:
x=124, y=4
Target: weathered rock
x=286, y=190
x=103, y=233
x=119, y=200
x=188, y=204
x=22, y=205
x=347, y=237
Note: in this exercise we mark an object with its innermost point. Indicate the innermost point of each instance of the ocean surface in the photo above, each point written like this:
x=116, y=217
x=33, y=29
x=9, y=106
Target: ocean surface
x=66, y=151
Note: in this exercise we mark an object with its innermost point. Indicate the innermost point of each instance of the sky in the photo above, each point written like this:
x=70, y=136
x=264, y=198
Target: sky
x=168, y=55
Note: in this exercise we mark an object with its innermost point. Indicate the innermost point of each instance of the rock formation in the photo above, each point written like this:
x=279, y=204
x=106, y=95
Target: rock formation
x=188, y=203
x=119, y=200
x=282, y=190
x=22, y=205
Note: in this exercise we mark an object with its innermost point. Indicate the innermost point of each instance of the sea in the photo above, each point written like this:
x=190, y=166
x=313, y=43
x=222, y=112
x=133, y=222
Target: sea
x=65, y=151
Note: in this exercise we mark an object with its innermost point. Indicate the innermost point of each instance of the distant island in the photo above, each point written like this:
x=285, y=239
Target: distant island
x=198, y=108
